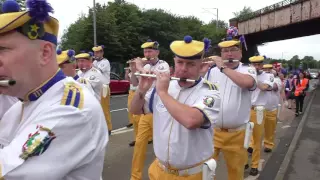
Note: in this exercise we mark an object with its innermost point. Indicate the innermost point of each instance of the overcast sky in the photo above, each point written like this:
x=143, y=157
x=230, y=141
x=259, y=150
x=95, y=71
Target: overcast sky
x=67, y=11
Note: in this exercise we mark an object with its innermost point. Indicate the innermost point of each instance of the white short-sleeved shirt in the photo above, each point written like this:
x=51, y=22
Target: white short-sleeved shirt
x=183, y=143
x=66, y=115
x=160, y=66
x=235, y=101
x=260, y=98
x=5, y=103
x=94, y=77
x=105, y=68
x=132, y=87
x=274, y=100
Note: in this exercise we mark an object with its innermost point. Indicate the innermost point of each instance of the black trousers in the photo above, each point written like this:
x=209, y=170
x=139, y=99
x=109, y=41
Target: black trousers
x=299, y=103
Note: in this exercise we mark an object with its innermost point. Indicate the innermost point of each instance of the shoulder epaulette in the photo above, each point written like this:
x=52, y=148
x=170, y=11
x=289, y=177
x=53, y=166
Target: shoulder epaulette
x=83, y=81
x=94, y=70
x=73, y=95
x=211, y=85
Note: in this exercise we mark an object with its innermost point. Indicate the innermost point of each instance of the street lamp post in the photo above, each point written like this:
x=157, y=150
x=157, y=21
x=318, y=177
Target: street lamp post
x=217, y=15
x=94, y=23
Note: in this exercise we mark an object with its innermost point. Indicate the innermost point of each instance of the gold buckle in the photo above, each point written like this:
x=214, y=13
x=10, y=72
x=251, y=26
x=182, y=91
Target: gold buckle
x=174, y=172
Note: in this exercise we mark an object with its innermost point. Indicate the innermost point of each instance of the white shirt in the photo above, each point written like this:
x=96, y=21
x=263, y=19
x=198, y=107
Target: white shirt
x=94, y=77
x=5, y=103
x=184, y=144
x=132, y=87
x=160, y=66
x=235, y=101
x=105, y=68
x=80, y=131
x=274, y=100
x=260, y=98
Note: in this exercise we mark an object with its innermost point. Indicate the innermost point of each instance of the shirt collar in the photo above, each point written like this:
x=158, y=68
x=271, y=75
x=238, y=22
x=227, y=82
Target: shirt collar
x=35, y=94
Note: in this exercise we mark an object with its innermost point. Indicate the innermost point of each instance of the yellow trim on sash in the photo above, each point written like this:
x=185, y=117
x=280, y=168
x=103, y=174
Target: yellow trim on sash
x=73, y=96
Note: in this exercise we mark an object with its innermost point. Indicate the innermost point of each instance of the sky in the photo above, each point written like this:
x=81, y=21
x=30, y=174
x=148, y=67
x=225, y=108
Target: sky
x=67, y=12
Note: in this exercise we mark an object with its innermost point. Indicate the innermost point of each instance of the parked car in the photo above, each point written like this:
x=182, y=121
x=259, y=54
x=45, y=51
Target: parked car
x=313, y=73
x=118, y=85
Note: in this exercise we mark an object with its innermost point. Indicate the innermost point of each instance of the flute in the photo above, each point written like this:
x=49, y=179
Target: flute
x=172, y=78
x=225, y=61
x=7, y=83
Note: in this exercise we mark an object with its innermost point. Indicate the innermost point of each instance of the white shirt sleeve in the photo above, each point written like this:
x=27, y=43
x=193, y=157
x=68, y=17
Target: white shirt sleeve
x=149, y=101
x=251, y=71
x=57, y=142
x=104, y=66
x=269, y=80
x=5, y=103
x=208, y=102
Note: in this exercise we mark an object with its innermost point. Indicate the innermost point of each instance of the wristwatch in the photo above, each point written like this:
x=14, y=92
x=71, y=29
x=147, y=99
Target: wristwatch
x=222, y=68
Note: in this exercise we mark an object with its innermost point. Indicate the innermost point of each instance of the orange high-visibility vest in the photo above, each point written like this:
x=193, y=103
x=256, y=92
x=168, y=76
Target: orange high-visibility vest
x=300, y=87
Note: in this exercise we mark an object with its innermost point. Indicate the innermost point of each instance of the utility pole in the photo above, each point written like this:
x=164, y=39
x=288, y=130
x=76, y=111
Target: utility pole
x=217, y=15
x=94, y=23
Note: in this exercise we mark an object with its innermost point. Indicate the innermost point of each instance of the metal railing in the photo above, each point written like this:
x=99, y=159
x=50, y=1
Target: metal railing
x=266, y=10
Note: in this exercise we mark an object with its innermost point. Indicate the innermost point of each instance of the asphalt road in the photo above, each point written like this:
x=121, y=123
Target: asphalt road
x=305, y=162
x=119, y=154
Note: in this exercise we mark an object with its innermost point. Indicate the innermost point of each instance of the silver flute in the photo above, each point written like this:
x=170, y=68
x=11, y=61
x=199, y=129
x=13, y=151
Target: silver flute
x=225, y=61
x=172, y=78
x=6, y=83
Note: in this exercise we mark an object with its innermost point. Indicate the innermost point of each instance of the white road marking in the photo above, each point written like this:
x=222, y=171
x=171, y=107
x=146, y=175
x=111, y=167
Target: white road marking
x=122, y=131
x=115, y=110
x=286, y=126
x=259, y=168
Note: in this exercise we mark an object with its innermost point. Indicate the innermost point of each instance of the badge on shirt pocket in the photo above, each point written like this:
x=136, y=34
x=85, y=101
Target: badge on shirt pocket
x=161, y=108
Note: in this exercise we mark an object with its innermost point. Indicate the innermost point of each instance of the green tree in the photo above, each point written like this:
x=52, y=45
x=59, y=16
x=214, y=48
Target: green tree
x=245, y=13
x=122, y=27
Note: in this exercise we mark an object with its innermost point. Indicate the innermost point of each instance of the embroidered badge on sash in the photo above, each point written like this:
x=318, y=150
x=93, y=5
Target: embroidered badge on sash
x=37, y=144
x=251, y=71
x=271, y=78
x=208, y=101
x=92, y=77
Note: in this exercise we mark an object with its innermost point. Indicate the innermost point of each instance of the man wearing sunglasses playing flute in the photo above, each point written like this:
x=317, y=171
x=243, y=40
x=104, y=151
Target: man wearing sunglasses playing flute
x=235, y=82
x=152, y=63
x=182, y=112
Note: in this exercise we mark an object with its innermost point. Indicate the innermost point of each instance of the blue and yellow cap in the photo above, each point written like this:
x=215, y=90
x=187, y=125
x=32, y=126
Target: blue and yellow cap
x=65, y=56
x=35, y=23
x=98, y=48
x=257, y=59
x=189, y=48
x=150, y=45
x=231, y=39
x=267, y=66
x=84, y=55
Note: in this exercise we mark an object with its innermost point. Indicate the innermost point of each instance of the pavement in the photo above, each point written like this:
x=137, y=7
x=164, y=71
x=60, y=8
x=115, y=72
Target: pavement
x=305, y=159
x=119, y=154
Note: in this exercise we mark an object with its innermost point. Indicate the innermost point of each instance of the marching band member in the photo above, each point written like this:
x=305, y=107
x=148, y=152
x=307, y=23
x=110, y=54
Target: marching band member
x=259, y=98
x=270, y=123
x=5, y=103
x=103, y=65
x=134, y=119
x=154, y=64
x=235, y=82
x=89, y=73
x=182, y=112
x=58, y=130
x=67, y=63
